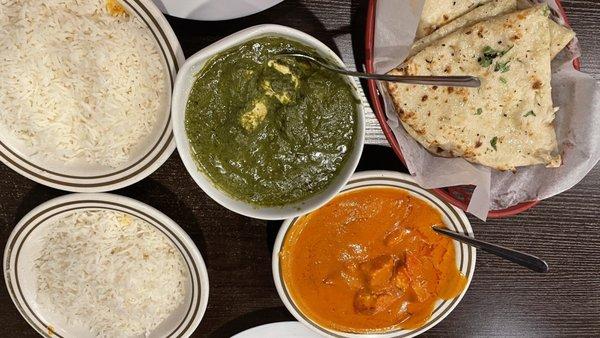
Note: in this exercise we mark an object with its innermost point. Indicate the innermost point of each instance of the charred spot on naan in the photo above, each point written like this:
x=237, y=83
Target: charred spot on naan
x=515, y=37
x=407, y=116
x=480, y=32
x=420, y=131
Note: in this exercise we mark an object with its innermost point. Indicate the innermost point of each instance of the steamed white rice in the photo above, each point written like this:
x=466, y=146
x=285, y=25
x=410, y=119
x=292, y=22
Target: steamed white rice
x=77, y=83
x=110, y=272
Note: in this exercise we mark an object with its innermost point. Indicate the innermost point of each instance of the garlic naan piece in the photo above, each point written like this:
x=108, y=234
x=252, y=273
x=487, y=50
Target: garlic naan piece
x=560, y=35
x=504, y=124
x=437, y=13
x=483, y=12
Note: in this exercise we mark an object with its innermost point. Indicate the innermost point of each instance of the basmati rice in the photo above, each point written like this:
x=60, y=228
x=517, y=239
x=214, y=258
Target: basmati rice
x=113, y=273
x=76, y=82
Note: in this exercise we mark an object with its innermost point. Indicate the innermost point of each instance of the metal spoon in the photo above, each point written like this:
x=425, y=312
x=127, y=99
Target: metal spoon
x=529, y=261
x=455, y=81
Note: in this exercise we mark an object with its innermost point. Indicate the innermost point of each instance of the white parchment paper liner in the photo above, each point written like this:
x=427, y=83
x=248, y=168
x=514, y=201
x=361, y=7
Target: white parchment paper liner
x=577, y=124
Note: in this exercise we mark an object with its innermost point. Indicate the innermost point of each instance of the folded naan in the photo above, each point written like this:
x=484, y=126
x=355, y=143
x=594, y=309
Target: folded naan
x=505, y=123
x=437, y=13
x=485, y=11
x=560, y=36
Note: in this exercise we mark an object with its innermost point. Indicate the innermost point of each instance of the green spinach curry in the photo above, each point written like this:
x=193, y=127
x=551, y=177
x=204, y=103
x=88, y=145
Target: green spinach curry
x=270, y=130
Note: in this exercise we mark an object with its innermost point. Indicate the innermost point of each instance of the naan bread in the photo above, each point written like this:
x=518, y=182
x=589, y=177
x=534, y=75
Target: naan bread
x=486, y=11
x=437, y=13
x=504, y=124
x=560, y=35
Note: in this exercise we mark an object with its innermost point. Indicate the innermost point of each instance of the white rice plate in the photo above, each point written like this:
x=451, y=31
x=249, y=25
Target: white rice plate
x=110, y=272
x=79, y=86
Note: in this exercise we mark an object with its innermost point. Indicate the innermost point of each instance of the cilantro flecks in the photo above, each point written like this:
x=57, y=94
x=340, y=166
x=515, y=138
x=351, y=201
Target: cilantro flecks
x=493, y=142
x=489, y=54
x=485, y=62
x=479, y=111
x=529, y=113
x=502, y=67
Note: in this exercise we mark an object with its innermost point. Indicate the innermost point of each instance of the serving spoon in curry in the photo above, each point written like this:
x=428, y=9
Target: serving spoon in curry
x=524, y=259
x=454, y=81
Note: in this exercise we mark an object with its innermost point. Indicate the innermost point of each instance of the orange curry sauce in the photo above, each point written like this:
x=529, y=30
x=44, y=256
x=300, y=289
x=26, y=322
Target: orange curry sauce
x=368, y=261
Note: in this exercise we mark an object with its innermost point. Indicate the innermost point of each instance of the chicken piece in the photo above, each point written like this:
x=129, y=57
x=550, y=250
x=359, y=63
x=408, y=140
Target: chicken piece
x=380, y=272
x=401, y=280
x=369, y=302
x=352, y=276
x=419, y=286
x=365, y=302
x=384, y=301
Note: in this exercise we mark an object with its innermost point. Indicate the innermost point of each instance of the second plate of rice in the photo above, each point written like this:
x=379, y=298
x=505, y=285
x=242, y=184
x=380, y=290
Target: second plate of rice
x=102, y=265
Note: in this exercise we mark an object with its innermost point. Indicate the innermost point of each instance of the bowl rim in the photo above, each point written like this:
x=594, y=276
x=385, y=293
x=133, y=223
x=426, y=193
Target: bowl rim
x=159, y=150
x=180, y=96
x=211, y=10
x=375, y=98
x=95, y=201
x=385, y=178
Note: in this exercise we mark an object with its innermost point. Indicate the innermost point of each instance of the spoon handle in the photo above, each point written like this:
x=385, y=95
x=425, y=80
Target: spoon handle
x=529, y=261
x=456, y=81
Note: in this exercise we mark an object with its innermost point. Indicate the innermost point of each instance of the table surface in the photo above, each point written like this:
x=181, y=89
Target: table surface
x=503, y=299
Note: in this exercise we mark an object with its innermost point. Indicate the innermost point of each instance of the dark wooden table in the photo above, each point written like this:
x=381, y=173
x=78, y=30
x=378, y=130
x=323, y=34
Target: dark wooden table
x=503, y=300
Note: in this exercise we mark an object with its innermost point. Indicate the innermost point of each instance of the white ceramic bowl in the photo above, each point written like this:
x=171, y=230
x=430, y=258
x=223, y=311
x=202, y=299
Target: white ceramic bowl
x=213, y=9
x=25, y=244
x=453, y=218
x=183, y=84
x=278, y=330
x=146, y=157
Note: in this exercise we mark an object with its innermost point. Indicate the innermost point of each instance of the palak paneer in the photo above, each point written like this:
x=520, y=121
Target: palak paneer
x=267, y=129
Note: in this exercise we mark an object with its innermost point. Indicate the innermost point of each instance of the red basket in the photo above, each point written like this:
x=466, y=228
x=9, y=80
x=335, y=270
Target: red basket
x=458, y=196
